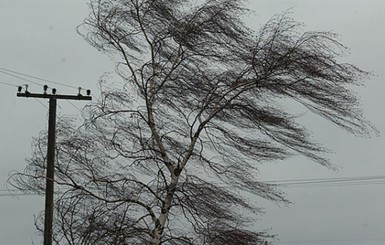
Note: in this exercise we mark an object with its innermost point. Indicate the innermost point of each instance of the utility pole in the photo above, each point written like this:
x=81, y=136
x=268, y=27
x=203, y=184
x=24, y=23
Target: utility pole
x=49, y=188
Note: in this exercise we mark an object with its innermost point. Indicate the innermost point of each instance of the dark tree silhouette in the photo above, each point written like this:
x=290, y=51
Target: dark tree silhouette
x=165, y=158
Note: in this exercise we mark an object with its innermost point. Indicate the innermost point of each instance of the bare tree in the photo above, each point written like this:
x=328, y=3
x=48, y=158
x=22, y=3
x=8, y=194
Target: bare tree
x=165, y=158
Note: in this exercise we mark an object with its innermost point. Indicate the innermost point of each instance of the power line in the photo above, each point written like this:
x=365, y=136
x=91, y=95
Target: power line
x=12, y=85
x=8, y=84
x=299, y=183
x=21, y=78
x=9, y=71
x=41, y=103
x=329, y=241
x=77, y=108
x=330, y=182
x=6, y=71
x=326, y=179
x=17, y=194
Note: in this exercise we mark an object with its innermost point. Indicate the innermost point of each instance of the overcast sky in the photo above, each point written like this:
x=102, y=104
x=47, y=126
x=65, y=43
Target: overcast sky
x=39, y=38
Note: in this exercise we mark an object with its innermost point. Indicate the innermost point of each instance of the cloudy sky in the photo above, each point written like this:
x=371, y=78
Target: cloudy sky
x=39, y=38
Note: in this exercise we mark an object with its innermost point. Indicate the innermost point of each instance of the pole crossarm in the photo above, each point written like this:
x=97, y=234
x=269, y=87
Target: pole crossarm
x=54, y=96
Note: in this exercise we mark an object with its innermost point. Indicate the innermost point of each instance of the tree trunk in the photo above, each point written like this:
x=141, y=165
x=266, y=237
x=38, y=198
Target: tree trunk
x=163, y=217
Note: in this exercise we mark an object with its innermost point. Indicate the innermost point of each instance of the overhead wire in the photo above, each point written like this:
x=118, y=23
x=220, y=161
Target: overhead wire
x=9, y=84
x=330, y=182
x=301, y=183
x=77, y=108
x=12, y=85
x=72, y=104
x=21, y=78
x=41, y=103
x=34, y=77
x=329, y=241
x=9, y=72
x=327, y=179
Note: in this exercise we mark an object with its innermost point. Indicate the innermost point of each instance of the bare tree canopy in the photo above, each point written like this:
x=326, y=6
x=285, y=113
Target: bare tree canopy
x=165, y=158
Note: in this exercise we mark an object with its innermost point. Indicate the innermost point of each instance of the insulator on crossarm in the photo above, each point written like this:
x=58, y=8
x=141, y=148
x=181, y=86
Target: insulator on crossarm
x=19, y=89
x=88, y=92
x=54, y=91
x=45, y=87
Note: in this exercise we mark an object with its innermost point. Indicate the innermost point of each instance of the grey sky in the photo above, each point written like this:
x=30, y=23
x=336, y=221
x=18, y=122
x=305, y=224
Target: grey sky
x=39, y=38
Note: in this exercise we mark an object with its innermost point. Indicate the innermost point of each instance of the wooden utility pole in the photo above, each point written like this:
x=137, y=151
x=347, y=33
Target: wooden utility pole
x=49, y=188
